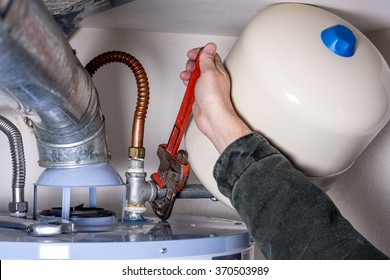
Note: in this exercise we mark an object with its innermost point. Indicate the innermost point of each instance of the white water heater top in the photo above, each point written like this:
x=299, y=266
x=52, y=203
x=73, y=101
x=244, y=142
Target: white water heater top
x=311, y=83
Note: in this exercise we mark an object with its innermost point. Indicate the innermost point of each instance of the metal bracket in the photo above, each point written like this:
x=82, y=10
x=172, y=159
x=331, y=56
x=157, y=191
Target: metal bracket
x=35, y=228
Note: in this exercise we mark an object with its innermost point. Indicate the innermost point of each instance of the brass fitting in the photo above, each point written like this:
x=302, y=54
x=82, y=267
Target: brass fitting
x=136, y=152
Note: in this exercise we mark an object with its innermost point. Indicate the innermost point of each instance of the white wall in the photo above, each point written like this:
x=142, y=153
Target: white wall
x=362, y=194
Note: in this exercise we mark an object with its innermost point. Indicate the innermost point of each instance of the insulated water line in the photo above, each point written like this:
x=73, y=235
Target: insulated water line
x=136, y=149
x=17, y=207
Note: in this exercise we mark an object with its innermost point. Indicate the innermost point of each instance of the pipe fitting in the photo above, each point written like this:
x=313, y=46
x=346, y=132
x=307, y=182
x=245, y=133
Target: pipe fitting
x=18, y=209
x=137, y=152
x=138, y=190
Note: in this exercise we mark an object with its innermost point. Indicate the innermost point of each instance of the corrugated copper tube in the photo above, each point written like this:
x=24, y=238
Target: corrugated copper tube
x=142, y=88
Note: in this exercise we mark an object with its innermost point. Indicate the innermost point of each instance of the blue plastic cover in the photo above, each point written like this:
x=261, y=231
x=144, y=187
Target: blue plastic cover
x=340, y=40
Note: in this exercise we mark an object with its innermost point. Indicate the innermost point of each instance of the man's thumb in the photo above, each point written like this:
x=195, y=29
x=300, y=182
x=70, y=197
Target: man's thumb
x=207, y=55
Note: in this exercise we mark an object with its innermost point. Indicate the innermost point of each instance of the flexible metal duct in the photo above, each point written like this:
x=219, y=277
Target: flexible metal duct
x=17, y=207
x=41, y=78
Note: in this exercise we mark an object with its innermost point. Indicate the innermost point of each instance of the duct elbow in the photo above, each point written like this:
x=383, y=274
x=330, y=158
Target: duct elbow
x=42, y=79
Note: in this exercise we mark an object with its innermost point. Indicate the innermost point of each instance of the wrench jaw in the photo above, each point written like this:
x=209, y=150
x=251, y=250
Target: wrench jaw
x=172, y=174
x=163, y=208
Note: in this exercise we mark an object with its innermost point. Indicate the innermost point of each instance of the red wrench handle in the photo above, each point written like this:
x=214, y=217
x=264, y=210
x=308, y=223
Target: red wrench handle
x=174, y=168
x=184, y=112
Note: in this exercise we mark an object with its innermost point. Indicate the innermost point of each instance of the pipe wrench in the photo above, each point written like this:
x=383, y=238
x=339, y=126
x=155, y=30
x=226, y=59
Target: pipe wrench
x=174, y=168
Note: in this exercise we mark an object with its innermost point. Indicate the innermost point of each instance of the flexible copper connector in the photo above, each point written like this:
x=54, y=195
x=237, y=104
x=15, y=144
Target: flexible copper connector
x=142, y=88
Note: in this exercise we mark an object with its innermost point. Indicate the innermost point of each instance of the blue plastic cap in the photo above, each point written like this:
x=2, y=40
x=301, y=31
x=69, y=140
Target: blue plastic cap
x=340, y=40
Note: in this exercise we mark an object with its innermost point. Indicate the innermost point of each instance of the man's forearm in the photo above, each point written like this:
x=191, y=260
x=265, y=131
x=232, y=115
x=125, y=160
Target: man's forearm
x=289, y=217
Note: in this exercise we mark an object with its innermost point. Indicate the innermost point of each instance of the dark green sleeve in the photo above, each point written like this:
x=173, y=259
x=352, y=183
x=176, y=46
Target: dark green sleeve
x=287, y=215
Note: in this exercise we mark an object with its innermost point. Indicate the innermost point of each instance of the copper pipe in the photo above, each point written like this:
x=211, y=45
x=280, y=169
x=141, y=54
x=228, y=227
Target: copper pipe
x=142, y=88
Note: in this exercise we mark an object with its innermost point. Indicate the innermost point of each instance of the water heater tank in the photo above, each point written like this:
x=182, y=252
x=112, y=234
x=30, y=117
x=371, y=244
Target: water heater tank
x=311, y=83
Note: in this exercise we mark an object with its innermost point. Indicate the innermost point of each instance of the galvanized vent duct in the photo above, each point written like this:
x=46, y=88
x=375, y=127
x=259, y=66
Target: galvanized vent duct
x=68, y=13
x=41, y=78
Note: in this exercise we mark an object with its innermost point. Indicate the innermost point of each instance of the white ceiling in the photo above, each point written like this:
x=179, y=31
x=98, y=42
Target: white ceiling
x=225, y=17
